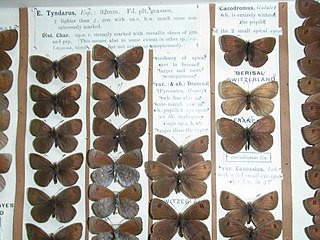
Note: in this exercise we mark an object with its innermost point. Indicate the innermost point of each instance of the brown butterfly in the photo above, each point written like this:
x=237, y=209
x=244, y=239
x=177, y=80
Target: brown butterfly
x=4, y=124
x=185, y=156
x=256, y=212
x=311, y=133
x=307, y=8
x=258, y=100
x=313, y=231
x=313, y=20
x=107, y=202
x=238, y=231
x=65, y=68
x=311, y=108
x=310, y=66
x=58, y=206
x=125, y=65
x=63, y=102
x=190, y=181
x=311, y=155
x=126, y=103
x=306, y=35
x=255, y=53
x=71, y=232
x=234, y=136
x=8, y=40
x=127, y=230
x=6, y=79
x=312, y=204
x=187, y=224
x=313, y=177
x=123, y=170
x=64, y=171
x=110, y=137
x=309, y=85
x=5, y=163
x=62, y=136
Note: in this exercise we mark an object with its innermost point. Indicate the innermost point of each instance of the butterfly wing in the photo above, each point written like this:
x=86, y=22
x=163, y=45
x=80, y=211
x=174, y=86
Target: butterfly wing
x=5, y=60
x=197, y=211
x=309, y=66
x=66, y=100
x=107, y=100
x=4, y=102
x=259, y=49
x=233, y=135
x=36, y=233
x=130, y=134
x=129, y=106
x=260, y=98
x=268, y=230
x=107, y=140
x=8, y=39
x=43, y=136
x=260, y=134
x=311, y=155
x=309, y=85
x=313, y=177
x=234, y=48
x=232, y=228
x=311, y=111
x=6, y=79
x=4, y=120
x=307, y=35
x=64, y=211
x=193, y=149
x=235, y=97
x=192, y=179
x=169, y=150
x=104, y=69
x=312, y=205
x=313, y=231
x=98, y=225
x=127, y=63
x=66, y=132
x=132, y=226
x=5, y=162
x=312, y=49
x=43, y=67
x=45, y=169
x=67, y=67
x=67, y=175
x=71, y=232
x=41, y=210
x=165, y=179
x=44, y=101
x=306, y=8
x=236, y=206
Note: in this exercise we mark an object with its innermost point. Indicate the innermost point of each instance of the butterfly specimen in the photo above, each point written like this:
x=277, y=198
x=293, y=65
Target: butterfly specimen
x=311, y=155
x=125, y=65
x=190, y=181
x=8, y=40
x=65, y=69
x=307, y=8
x=127, y=230
x=5, y=163
x=123, y=170
x=58, y=206
x=4, y=124
x=256, y=212
x=255, y=53
x=63, y=102
x=237, y=230
x=126, y=103
x=187, y=224
x=310, y=66
x=107, y=202
x=62, y=136
x=109, y=137
x=309, y=85
x=258, y=100
x=70, y=232
x=311, y=133
x=63, y=171
x=234, y=136
x=307, y=35
x=311, y=107
x=313, y=231
x=181, y=156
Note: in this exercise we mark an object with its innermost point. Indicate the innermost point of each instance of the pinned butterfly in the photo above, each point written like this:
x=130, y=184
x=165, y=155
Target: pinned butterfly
x=255, y=53
x=125, y=65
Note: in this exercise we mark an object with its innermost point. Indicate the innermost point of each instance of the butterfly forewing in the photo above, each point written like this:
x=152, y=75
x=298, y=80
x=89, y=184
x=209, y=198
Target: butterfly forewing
x=6, y=79
x=67, y=67
x=36, y=233
x=8, y=39
x=309, y=85
x=311, y=155
x=258, y=50
x=43, y=67
x=311, y=108
x=127, y=63
x=309, y=66
x=307, y=35
x=234, y=48
x=307, y=8
x=5, y=162
x=313, y=231
x=311, y=133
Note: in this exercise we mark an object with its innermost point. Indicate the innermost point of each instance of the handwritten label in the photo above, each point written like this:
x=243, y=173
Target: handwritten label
x=117, y=27
x=181, y=93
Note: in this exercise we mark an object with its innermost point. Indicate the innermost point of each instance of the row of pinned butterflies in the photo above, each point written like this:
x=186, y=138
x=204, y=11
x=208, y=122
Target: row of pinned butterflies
x=309, y=36
x=8, y=40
